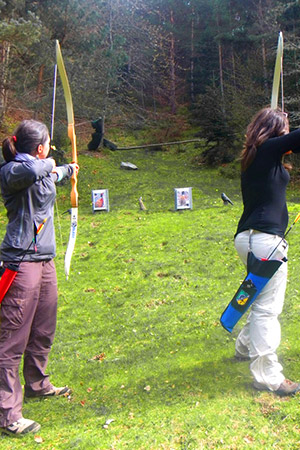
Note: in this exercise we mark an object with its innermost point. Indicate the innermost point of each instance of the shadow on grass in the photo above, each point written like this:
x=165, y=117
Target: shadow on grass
x=166, y=383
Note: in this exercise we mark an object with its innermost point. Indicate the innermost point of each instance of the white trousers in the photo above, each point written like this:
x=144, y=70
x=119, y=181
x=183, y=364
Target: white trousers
x=260, y=337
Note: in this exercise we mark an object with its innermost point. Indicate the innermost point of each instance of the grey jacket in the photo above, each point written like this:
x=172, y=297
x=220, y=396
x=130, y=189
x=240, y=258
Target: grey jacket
x=28, y=190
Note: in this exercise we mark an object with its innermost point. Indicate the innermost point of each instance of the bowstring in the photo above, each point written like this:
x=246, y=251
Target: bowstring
x=281, y=82
x=51, y=138
x=53, y=102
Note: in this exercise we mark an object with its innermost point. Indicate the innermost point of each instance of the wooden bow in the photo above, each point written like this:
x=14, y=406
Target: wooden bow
x=278, y=75
x=72, y=136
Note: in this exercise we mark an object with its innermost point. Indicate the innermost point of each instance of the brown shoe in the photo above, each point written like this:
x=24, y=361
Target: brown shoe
x=64, y=391
x=55, y=391
x=287, y=387
x=21, y=427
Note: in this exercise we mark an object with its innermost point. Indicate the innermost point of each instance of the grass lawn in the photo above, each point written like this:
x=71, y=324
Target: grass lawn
x=138, y=335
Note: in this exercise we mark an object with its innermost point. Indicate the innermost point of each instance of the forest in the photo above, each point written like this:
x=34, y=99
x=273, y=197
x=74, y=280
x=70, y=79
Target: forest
x=139, y=339
x=143, y=63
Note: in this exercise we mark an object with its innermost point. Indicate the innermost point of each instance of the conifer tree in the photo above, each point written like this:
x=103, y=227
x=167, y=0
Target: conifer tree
x=19, y=28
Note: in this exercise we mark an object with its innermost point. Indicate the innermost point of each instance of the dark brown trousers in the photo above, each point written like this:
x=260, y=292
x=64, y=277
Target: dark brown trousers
x=28, y=321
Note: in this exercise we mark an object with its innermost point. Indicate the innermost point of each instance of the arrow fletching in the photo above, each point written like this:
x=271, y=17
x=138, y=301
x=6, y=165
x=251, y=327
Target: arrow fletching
x=297, y=218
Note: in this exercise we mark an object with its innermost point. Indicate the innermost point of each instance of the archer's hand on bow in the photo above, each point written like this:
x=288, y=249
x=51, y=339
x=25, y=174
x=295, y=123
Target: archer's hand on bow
x=75, y=168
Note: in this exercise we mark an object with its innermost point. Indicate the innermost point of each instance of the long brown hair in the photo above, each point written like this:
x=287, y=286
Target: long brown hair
x=267, y=123
x=26, y=139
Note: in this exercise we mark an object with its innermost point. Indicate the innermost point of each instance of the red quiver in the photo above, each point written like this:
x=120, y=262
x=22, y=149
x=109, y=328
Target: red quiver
x=7, y=278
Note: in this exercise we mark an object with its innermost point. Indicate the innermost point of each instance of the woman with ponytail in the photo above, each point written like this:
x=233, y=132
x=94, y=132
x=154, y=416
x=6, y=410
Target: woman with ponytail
x=264, y=179
x=28, y=310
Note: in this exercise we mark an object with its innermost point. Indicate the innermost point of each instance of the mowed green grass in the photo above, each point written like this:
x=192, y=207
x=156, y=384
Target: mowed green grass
x=138, y=335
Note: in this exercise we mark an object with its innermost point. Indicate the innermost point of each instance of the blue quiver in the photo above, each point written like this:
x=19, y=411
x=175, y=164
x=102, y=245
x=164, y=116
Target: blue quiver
x=260, y=271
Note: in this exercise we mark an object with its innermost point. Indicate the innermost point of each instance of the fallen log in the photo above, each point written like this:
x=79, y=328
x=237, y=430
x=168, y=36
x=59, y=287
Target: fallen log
x=158, y=144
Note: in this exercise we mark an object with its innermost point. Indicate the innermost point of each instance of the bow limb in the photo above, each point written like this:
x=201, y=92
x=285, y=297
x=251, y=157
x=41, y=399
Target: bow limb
x=278, y=75
x=72, y=137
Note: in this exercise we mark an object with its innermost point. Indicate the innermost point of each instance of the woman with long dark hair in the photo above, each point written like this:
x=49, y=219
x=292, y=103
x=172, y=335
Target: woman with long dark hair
x=28, y=310
x=264, y=179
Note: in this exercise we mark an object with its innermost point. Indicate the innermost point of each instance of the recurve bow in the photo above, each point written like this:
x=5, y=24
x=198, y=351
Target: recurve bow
x=278, y=75
x=72, y=136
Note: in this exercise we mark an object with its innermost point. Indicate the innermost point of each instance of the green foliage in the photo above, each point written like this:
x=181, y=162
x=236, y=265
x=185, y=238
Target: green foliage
x=19, y=28
x=138, y=336
x=231, y=171
x=8, y=125
x=215, y=127
x=134, y=63
x=60, y=139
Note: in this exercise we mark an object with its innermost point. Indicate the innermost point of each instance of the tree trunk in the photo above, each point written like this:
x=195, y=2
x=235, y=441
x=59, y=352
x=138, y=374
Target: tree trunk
x=111, y=46
x=172, y=69
x=4, y=73
x=221, y=69
x=192, y=54
x=40, y=80
x=263, y=45
x=264, y=62
x=39, y=89
x=233, y=65
x=220, y=52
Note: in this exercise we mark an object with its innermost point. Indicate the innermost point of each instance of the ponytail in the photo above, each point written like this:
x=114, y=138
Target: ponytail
x=8, y=149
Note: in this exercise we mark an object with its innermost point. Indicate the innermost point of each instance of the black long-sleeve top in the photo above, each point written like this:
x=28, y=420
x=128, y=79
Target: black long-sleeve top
x=264, y=185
